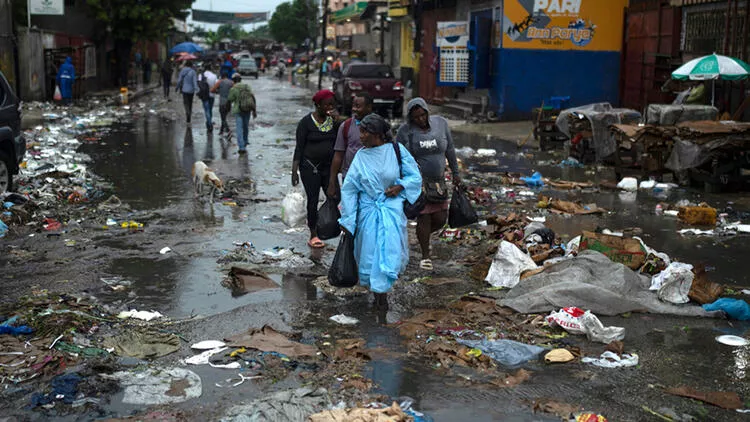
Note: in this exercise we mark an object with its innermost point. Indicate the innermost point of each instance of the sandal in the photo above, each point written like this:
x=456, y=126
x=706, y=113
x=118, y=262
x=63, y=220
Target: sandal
x=316, y=243
x=426, y=264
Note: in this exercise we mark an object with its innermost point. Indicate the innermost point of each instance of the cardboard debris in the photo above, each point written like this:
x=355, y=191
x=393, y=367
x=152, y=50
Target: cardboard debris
x=726, y=400
x=629, y=252
x=267, y=339
x=389, y=414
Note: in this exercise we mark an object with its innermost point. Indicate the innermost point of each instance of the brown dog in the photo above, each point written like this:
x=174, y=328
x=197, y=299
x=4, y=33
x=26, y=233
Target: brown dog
x=203, y=175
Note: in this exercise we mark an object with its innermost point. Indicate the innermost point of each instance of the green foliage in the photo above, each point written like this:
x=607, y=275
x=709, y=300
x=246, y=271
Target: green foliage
x=293, y=22
x=233, y=32
x=138, y=20
x=212, y=38
x=262, y=31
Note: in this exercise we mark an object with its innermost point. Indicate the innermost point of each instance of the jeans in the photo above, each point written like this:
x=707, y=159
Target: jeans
x=242, y=124
x=223, y=111
x=187, y=101
x=314, y=177
x=208, y=110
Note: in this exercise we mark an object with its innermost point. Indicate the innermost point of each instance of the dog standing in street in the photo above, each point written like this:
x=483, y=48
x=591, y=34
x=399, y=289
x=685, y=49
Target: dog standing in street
x=203, y=175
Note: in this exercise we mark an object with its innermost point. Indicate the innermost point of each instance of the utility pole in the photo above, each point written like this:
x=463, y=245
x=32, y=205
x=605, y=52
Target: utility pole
x=323, y=27
x=382, y=37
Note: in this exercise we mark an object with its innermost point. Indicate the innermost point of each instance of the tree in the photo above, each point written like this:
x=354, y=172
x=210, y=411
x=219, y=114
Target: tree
x=128, y=21
x=261, y=32
x=294, y=22
x=212, y=38
x=231, y=31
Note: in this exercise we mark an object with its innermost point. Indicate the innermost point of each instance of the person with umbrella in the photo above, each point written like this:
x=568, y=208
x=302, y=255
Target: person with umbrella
x=711, y=68
x=187, y=84
x=166, y=76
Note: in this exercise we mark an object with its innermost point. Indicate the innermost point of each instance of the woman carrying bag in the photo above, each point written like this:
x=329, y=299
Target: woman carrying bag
x=430, y=142
x=372, y=200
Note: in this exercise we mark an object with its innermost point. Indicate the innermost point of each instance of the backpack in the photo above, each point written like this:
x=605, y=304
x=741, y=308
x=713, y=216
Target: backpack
x=203, y=88
x=246, y=100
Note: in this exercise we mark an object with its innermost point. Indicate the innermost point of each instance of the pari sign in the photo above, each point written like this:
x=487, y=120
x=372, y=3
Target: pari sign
x=47, y=7
x=592, y=25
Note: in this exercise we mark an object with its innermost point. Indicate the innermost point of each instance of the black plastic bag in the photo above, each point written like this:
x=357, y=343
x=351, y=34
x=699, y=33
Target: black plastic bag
x=343, y=271
x=328, y=220
x=461, y=213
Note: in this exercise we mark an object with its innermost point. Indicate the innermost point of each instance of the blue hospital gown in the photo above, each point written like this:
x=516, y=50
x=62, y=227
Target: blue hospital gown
x=381, y=244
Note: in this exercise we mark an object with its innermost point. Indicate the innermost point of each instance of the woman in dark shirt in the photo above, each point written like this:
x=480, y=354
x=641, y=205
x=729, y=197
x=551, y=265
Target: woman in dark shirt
x=316, y=135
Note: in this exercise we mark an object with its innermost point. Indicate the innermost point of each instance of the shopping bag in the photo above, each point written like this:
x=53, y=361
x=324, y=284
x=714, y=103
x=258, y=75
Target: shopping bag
x=461, y=213
x=58, y=94
x=343, y=271
x=328, y=220
x=293, y=210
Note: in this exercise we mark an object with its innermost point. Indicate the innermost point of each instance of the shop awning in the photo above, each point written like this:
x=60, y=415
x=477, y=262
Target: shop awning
x=349, y=13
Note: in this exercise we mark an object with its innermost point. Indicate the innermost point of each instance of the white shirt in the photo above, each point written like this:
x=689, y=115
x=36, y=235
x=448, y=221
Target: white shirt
x=211, y=79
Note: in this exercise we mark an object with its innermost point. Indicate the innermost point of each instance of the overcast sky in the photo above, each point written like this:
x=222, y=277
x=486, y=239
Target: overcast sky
x=234, y=6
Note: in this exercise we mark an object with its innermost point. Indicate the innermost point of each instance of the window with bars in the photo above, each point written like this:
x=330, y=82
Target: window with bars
x=704, y=31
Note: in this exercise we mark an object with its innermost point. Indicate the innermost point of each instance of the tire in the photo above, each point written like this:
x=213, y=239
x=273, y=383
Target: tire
x=6, y=177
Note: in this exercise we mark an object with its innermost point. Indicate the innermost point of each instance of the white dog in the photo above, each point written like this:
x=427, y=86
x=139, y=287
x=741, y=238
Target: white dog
x=203, y=175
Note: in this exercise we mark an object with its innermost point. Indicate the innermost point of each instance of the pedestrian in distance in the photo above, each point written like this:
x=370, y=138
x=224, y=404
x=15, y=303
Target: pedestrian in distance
x=348, y=142
x=187, y=84
x=430, y=142
x=166, y=77
x=228, y=66
x=313, y=155
x=222, y=87
x=243, y=106
x=206, y=81
x=382, y=175
x=66, y=76
x=147, y=64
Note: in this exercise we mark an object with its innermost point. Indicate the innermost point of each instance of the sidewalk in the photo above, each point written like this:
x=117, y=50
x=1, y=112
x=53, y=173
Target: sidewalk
x=34, y=117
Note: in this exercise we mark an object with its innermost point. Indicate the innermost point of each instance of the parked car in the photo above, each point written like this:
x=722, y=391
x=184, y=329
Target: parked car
x=12, y=142
x=248, y=67
x=377, y=80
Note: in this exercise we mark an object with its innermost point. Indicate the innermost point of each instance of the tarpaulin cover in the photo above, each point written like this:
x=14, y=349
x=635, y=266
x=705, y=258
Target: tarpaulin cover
x=669, y=114
x=601, y=116
x=591, y=281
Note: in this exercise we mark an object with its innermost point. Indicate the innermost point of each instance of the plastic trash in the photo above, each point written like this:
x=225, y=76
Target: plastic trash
x=203, y=358
x=461, y=213
x=534, y=181
x=647, y=184
x=673, y=284
x=293, y=208
x=508, y=265
x=570, y=162
x=611, y=360
x=465, y=152
x=208, y=344
x=142, y=315
x=343, y=319
x=576, y=321
x=3, y=229
x=559, y=356
x=734, y=308
x=328, y=220
x=155, y=385
x=505, y=352
x=629, y=184
x=343, y=271
x=486, y=153
x=732, y=340
x=165, y=250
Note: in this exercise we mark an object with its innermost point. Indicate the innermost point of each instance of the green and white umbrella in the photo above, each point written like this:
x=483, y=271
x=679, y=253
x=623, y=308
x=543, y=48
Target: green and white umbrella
x=711, y=68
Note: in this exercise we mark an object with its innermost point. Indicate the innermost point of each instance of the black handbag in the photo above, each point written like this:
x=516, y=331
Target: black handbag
x=411, y=211
x=435, y=191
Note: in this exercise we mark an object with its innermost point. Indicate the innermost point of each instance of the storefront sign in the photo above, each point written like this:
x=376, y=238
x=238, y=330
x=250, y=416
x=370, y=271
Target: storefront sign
x=451, y=34
x=47, y=7
x=591, y=25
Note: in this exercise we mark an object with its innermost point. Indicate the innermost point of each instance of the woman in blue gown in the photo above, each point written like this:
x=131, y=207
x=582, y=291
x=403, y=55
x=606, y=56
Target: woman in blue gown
x=372, y=200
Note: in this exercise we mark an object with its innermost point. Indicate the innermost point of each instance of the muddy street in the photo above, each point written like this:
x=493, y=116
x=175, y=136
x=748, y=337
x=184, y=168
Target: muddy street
x=175, y=256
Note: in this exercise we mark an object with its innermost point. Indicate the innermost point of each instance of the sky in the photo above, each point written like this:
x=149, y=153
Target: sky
x=234, y=6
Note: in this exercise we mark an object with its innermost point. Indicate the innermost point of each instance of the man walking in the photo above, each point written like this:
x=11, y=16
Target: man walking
x=166, y=77
x=243, y=105
x=222, y=88
x=348, y=142
x=187, y=84
x=206, y=81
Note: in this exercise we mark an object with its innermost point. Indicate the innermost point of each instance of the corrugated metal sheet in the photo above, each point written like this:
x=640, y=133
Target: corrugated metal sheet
x=692, y=2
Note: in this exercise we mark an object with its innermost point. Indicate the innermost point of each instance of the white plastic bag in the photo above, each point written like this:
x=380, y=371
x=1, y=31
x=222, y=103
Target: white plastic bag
x=508, y=265
x=611, y=360
x=567, y=318
x=629, y=184
x=57, y=96
x=293, y=210
x=674, y=283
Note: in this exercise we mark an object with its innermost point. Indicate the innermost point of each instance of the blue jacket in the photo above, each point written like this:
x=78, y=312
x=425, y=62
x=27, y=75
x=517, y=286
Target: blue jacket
x=66, y=75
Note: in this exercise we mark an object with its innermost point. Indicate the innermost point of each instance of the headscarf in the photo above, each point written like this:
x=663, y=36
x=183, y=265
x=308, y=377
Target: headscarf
x=375, y=124
x=323, y=95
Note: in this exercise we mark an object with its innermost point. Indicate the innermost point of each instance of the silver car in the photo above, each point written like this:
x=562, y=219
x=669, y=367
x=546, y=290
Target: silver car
x=248, y=67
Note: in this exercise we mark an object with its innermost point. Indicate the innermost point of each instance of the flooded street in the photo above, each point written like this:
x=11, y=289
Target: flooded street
x=148, y=160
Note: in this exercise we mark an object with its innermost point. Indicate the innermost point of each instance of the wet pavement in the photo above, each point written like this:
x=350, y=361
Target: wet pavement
x=149, y=160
